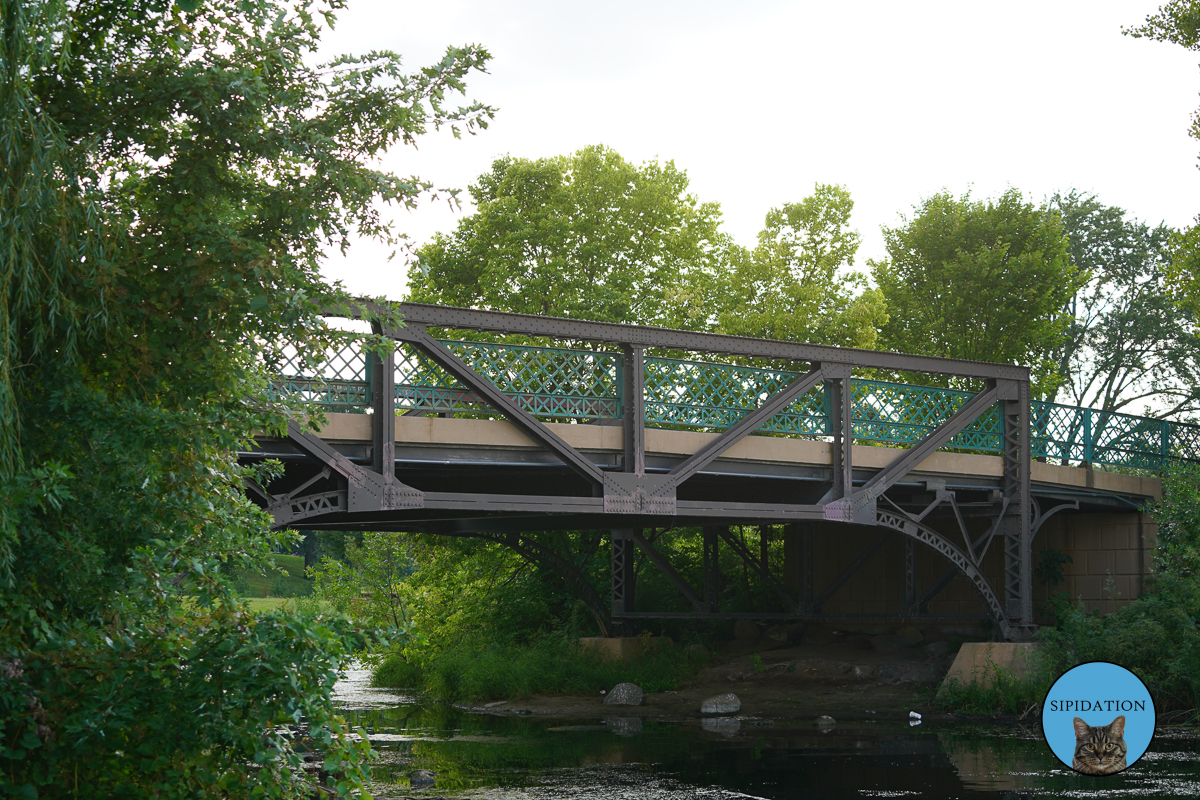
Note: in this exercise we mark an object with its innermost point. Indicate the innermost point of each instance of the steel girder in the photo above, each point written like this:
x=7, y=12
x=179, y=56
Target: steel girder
x=632, y=494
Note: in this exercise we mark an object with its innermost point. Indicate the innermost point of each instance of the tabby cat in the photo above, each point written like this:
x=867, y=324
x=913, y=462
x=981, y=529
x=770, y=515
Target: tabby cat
x=1099, y=750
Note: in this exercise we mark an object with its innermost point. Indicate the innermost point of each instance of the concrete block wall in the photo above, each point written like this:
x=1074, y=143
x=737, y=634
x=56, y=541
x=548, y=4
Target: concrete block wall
x=877, y=587
x=1112, y=556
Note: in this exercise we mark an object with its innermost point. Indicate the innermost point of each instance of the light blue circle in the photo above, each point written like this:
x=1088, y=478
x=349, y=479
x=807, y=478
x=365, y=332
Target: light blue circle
x=1116, y=691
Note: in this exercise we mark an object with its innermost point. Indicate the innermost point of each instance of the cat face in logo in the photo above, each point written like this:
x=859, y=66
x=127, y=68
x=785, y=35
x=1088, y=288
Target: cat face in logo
x=1099, y=750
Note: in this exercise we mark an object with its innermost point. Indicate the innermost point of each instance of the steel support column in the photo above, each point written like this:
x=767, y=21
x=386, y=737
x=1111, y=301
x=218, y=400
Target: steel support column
x=1018, y=528
x=382, y=376
x=633, y=392
x=908, y=597
x=712, y=569
x=839, y=402
x=624, y=578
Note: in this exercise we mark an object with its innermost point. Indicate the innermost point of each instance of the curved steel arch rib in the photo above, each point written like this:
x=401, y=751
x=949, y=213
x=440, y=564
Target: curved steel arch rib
x=928, y=536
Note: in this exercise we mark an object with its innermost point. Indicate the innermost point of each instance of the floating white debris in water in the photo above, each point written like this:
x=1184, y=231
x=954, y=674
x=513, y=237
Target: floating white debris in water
x=603, y=691
x=912, y=723
x=913, y=715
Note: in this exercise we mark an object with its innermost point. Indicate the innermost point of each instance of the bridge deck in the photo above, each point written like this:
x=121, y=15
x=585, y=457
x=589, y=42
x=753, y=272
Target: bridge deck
x=434, y=454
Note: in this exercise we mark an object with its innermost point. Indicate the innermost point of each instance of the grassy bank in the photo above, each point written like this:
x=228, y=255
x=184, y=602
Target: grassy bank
x=550, y=664
x=291, y=583
x=1004, y=693
x=1155, y=636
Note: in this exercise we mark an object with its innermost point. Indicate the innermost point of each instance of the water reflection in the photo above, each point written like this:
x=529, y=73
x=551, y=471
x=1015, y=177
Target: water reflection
x=509, y=757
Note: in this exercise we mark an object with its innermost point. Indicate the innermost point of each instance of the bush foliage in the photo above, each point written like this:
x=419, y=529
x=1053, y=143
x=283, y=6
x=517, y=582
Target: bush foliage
x=170, y=176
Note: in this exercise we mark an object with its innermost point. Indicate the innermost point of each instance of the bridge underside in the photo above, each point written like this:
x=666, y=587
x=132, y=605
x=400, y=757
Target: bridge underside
x=501, y=479
x=477, y=479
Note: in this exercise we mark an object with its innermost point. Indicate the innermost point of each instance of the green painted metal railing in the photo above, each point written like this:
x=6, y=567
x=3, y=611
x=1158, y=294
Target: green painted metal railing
x=564, y=384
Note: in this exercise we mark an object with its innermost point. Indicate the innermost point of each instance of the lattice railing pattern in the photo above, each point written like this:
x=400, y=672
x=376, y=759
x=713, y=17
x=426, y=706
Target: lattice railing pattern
x=547, y=382
x=696, y=394
x=339, y=383
x=906, y=414
x=558, y=383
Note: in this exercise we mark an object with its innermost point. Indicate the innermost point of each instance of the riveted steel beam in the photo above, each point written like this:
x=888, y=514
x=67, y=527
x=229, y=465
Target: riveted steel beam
x=923, y=533
x=664, y=566
x=670, y=339
x=1018, y=528
x=633, y=393
x=527, y=423
x=367, y=490
x=861, y=506
x=624, y=575
x=760, y=566
x=747, y=425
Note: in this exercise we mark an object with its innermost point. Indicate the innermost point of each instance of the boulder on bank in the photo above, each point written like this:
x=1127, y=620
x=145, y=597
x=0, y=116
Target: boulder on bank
x=727, y=703
x=936, y=649
x=624, y=694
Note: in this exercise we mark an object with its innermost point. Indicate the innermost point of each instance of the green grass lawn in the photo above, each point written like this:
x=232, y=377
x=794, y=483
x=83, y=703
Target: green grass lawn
x=265, y=603
x=273, y=584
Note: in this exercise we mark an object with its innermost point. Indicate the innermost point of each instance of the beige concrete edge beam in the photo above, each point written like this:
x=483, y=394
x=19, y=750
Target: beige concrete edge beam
x=502, y=434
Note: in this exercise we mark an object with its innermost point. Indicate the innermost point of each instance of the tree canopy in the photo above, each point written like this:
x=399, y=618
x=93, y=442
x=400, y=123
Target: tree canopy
x=1128, y=346
x=795, y=284
x=987, y=281
x=1178, y=22
x=171, y=177
x=588, y=236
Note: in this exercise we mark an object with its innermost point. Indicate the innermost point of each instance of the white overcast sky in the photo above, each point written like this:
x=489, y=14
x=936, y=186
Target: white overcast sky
x=758, y=101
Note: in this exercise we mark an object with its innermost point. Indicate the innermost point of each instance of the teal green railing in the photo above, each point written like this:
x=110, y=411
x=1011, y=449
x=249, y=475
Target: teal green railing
x=564, y=384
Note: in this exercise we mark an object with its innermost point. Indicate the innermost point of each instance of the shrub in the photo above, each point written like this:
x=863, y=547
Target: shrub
x=550, y=664
x=1155, y=636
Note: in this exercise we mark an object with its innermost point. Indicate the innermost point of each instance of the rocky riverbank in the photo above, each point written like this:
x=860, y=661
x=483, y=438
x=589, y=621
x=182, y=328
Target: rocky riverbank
x=841, y=675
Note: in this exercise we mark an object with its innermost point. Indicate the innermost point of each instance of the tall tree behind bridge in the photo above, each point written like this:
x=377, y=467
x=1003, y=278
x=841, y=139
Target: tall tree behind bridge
x=1129, y=346
x=988, y=281
x=796, y=284
x=1178, y=22
x=586, y=236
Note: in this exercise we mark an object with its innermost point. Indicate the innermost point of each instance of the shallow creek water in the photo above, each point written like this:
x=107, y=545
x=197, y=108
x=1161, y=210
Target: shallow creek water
x=512, y=757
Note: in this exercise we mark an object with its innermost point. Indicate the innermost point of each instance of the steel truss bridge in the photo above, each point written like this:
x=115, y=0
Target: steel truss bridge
x=633, y=382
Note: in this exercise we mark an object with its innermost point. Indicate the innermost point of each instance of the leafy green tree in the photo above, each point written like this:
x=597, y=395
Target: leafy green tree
x=1178, y=518
x=1128, y=342
x=795, y=285
x=987, y=281
x=366, y=583
x=588, y=236
x=1178, y=22
x=171, y=176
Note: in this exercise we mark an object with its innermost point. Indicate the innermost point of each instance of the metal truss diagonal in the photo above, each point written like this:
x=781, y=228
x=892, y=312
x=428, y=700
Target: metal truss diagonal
x=664, y=566
x=958, y=558
x=527, y=423
x=760, y=566
x=861, y=506
x=366, y=490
